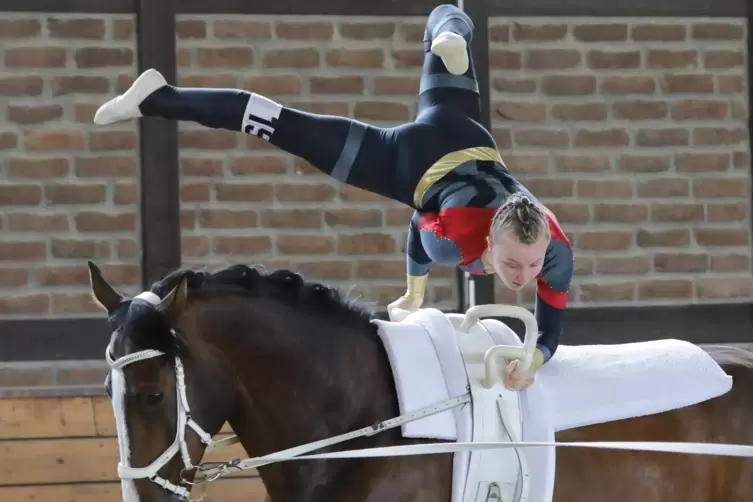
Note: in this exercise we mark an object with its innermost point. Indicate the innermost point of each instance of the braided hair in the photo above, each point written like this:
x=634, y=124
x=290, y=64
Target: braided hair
x=523, y=216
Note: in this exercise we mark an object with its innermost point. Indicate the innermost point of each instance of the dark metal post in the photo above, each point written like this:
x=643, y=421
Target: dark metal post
x=479, y=290
x=160, y=175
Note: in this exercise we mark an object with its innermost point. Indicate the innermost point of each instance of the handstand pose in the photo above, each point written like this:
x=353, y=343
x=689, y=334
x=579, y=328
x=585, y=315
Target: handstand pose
x=469, y=210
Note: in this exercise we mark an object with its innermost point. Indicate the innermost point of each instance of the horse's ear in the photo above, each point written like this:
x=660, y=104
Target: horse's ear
x=101, y=291
x=173, y=302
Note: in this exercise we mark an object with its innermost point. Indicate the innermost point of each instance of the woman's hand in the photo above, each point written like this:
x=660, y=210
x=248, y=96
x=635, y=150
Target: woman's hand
x=516, y=378
x=404, y=305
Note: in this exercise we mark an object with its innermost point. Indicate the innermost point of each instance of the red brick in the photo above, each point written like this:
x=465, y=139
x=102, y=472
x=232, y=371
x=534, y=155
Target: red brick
x=35, y=57
x=688, y=84
x=307, y=192
x=665, y=289
x=551, y=187
x=662, y=137
x=367, y=31
x=510, y=84
x=33, y=114
x=614, y=85
x=717, y=31
x=662, y=188
x=635, y=265
x=586, y=111
x=305, y=244
x=640, y=109
x=101, y=57
x=718, y=59
x=620, y=213
x=552, y=59
x=233, y=29
x=25, y=304
x=195, y=246
x=366, y=243
x=38, y=222
x=548, y=138
x=226, y=57
x=567, y=212
x=13, y=277
x=72, y=29
x=219, y=80
x=699, y=109
x=323, y=269
x=90, y=221
x=105, y=166
x=568, y=85
x=64, y=303
x=356, y=58
x=644, y=163
x=208, y=139
x=730, y=263
x=726, y=212
x=390, y=85
x=521, y=111
x=55, y=140
x=21, y=85
x=544, y=32
x=605, y=240
x=572, y=163
x=600, y=32
x=721, y=188
x=63, y=276
x=227, y=218
x=304, y=30
x=719, y=136
x=195, y=192
x=658, y=32
x=190, y=29
x=673, y=237
x=113, y=140
x=410, y=58
x=724, y=288
x=20, y=194
x=23, y=251
x=702, y=162
x=376, y=110
x=291, y=218
x=291, y=58
x=250, y=166
x=126, y=193
x=246, y=245
x=714, y=237
x=612, y=60
x=607, y=292
x=359, y=218
x=672, y=59
x=37, y=168
x=686, y=263
x=342, y=84
x=19, y=28
x=677, y=212
x=526, y=163
x=601, y=138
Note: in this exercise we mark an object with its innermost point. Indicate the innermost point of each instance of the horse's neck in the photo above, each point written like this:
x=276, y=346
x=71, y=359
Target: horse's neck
x=296, y=393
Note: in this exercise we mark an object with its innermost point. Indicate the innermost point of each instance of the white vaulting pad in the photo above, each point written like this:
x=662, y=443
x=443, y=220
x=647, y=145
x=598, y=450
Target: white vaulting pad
x=602, y=383
x=419, y=379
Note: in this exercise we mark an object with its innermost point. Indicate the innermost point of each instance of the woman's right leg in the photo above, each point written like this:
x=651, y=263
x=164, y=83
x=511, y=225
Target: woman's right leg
x=384, y=161
x=448, y=78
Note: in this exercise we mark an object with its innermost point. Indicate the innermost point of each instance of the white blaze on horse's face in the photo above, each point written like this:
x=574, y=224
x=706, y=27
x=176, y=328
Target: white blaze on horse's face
x=118, y=383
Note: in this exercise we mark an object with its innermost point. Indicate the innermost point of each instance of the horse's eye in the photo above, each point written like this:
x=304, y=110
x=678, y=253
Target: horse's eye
x=154, y=399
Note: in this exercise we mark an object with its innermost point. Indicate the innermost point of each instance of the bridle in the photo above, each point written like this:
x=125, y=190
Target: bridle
x=212, y=470
x=184, y=420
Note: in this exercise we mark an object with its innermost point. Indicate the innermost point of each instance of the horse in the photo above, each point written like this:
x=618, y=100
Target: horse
x=286, y=361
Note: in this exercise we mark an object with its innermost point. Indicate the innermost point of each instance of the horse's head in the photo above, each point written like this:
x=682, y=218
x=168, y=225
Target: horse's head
x=168, y=397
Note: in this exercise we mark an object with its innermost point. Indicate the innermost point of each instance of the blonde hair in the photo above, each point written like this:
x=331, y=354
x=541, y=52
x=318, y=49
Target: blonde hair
x=523, y=216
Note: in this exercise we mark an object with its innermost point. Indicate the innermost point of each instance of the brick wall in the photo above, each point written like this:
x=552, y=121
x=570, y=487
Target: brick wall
x=634, y=132
x=68, y=190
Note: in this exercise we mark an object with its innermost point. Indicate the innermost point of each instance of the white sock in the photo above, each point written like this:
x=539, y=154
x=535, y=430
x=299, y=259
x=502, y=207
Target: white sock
x=260, y=116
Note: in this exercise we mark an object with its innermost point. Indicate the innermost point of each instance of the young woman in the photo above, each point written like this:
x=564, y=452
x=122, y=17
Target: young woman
x=469, y=210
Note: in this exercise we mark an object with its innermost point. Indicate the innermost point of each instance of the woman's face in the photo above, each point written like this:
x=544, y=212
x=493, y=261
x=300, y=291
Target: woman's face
x=515, y=263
